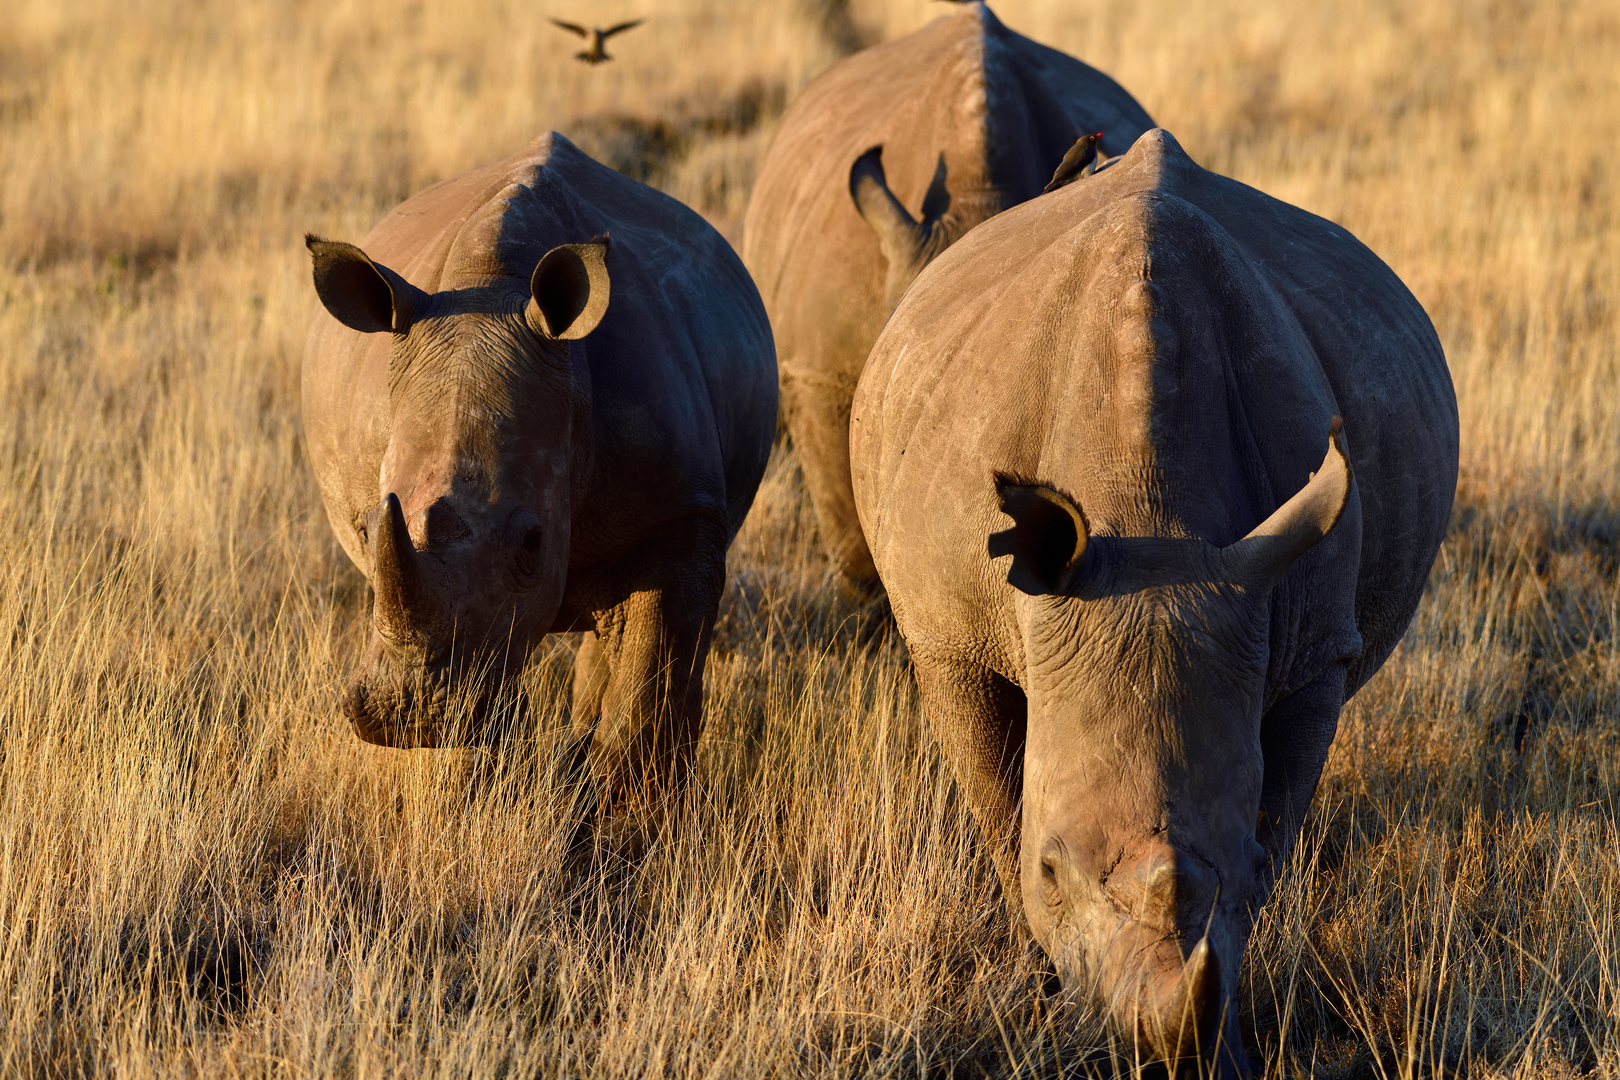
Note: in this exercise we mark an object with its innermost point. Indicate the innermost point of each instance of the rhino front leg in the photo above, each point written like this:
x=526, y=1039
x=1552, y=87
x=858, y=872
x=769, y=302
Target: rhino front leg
x=1295, y=735
x=979, y=719
x=646, y=671
x=817, y=409
x=590, y=684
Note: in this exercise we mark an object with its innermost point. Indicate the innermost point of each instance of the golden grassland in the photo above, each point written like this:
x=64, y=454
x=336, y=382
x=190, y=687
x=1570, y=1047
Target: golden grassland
x=203, y=873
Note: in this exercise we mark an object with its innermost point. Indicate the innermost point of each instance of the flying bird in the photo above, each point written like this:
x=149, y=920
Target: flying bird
x=1081, y=161
x=594, y=52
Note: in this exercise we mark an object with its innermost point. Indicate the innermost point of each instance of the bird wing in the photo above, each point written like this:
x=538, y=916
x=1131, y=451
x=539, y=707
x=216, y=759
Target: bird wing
x=610, y=31
x=1074, y=164
x=571, y=28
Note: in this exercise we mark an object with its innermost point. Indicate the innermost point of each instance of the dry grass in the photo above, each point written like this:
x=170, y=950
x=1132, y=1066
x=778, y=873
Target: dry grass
x=202, y=872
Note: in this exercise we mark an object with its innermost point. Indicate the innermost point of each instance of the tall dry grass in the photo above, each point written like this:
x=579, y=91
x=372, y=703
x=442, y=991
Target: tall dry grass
x=202, y=872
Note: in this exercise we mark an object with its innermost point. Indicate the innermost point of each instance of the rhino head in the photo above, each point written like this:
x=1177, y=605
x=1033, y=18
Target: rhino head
x=467, y=546
x=1146, y=660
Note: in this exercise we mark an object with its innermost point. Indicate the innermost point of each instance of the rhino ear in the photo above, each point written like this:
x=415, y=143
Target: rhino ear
x=1047, y=540
x=1298, y=524
x=361, y=294
x=898, y=233
x=569, y=290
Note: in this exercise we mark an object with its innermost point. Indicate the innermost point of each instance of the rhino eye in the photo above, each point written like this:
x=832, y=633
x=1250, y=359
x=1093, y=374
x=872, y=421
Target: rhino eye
x=1049, y=881
x=364, y=523
x=528, y=553
x=528, y=540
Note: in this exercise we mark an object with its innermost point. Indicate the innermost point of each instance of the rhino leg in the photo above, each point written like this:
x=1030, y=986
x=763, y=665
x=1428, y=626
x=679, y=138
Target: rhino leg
x=1295, y=734
x=645, y=672
x=817, y=409
x=590, y=684
x=979, y=719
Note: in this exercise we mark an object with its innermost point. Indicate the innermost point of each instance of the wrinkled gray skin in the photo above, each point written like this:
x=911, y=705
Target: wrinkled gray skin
x=1126, y=386
x=970, y=119
x=519, y=431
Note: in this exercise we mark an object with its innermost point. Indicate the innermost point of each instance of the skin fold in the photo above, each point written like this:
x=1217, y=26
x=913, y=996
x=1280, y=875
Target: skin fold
x=882, y=163
x=539, y=398
x=1153, y=468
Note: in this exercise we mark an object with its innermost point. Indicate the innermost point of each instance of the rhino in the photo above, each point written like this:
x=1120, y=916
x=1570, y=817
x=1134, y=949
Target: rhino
x=1153, y=468
x=539, y=399
x=961, y=120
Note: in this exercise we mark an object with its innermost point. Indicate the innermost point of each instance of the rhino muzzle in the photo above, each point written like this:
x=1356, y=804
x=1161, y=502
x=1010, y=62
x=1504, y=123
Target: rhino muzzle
x=399, y=709
x=1178, y=1010
x=1168, y=1007
x=422, y=708
x=400, y=695
x=425, y=680
x=1152, y=942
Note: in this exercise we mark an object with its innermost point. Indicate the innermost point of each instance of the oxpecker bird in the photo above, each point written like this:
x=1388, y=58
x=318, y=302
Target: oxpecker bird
x=594, y=52
x=1081, y=161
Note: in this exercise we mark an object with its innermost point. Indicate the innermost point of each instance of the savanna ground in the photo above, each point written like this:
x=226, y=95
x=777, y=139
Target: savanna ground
x=202, y=872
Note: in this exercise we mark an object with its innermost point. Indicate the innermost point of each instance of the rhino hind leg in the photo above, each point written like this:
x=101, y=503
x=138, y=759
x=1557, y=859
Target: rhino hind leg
x=817, y=409
x=641, y=680
x=979, y=719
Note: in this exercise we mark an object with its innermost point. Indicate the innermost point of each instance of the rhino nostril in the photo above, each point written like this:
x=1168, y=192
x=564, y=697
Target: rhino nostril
x=354, y=703
x=1259, y=856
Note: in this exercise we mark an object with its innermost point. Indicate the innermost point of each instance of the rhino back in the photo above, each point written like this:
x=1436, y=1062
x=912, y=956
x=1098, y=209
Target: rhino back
x=1284, y=319
x=681, y=368
x=1093, y=101
x=1001, y=109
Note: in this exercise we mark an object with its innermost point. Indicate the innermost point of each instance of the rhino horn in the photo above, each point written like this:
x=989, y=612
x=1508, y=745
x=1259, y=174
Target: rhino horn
x=1187, y=1021
x=1298, y=524
x=407, y=611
